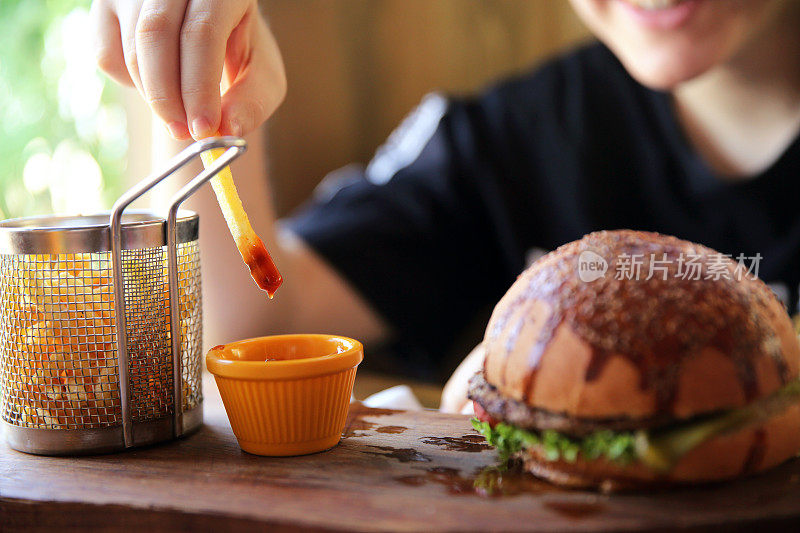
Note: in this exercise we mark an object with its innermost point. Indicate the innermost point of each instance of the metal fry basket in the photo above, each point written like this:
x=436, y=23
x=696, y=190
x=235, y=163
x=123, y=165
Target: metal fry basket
x=101, y=323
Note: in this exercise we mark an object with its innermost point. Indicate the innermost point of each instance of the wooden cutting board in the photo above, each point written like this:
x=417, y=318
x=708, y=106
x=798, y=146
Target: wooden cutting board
x=392, y=471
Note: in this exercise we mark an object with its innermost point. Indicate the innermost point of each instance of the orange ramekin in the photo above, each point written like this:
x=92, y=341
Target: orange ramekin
x=295, y=403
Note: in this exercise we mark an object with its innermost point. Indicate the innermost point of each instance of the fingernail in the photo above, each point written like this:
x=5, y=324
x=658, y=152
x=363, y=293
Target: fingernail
x=178, y=130
x=235, y=128
x=201, y=128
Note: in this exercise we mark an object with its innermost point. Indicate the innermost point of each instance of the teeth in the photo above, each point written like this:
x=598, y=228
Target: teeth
x=654, y=4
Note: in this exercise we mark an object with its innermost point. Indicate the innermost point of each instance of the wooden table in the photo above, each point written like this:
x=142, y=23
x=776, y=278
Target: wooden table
x=392, y=471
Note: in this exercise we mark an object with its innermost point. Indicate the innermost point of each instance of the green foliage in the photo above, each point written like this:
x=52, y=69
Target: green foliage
x=54, y=104
x=617, y=447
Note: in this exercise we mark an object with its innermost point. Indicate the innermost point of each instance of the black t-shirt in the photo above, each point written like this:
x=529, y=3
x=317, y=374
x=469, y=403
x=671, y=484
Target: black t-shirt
x=441, y=222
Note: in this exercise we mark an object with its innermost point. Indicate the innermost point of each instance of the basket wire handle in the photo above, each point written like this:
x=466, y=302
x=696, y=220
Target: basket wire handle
x=185, y=192
x=235, y=147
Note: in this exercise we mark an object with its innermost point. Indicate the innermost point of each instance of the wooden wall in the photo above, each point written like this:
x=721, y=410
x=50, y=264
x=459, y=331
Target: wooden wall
x=356, y=67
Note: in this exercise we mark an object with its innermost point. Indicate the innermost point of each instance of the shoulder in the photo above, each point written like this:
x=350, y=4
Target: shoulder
x=586, y=64
x=558, y=93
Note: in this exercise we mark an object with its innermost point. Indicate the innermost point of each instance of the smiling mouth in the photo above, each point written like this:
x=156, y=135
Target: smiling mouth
x=653, y=5
x=661, y=15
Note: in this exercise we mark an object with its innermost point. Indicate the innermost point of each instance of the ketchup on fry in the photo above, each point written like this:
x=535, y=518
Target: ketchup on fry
x=263, y=269
x=251, y=247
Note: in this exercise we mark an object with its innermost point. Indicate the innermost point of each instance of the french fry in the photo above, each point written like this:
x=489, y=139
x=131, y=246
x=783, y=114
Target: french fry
x=63, y=317
x=250, y=246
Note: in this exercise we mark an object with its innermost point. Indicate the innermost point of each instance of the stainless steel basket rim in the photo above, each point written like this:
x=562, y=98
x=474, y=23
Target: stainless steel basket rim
x=45, y=441
x=90, y=233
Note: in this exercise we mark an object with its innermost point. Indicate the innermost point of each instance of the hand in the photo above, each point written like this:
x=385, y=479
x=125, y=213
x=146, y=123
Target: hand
x=454, y=395
x=177, y=52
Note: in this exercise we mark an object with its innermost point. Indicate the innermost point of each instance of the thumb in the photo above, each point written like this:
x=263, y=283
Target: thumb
x=257, y=91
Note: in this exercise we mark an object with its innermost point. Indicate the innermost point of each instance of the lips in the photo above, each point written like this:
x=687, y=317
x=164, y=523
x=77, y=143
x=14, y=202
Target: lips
x=654, y=4
x=660, y=14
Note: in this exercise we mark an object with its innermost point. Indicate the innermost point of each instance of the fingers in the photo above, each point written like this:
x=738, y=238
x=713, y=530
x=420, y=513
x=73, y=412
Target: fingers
x=257, y=90
x=108, y=44
x=174, y=53
x=454, y=395
x=157, y=42
x=128, y=14
x=203, y=42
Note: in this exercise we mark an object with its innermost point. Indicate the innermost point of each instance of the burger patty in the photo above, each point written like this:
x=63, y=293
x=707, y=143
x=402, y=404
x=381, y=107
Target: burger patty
x=509, y=410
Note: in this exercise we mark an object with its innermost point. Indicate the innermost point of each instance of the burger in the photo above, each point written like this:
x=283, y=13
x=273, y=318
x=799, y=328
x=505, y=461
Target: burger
x=629, y=359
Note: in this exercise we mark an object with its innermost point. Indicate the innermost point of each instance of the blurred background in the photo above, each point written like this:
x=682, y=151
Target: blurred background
x=356, y=68
x=63, y=128
x=71, y=141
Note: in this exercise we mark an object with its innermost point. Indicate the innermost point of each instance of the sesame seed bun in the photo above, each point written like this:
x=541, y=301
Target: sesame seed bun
x=624, y=352
x=638, y=348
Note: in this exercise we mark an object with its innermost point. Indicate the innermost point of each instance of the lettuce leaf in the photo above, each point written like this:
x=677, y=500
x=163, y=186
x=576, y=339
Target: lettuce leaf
x=659, y=449
x=614, y=446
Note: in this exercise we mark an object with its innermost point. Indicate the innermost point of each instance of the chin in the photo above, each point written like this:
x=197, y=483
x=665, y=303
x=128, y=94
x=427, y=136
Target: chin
x=665, y=68
x=663, y=43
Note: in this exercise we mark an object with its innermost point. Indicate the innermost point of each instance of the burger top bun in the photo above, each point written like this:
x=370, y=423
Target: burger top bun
x=591, y=341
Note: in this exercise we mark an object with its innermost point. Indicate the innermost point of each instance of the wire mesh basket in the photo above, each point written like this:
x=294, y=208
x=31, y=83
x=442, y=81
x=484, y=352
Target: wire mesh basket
x=88, y=359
